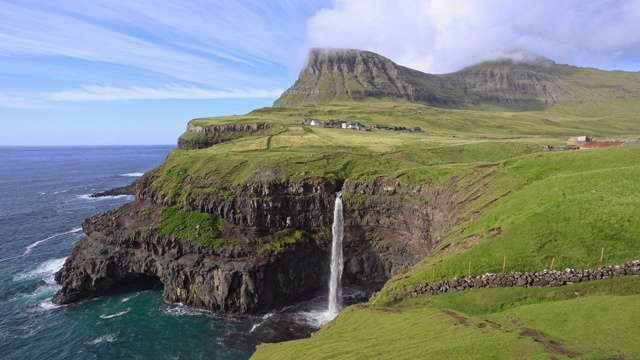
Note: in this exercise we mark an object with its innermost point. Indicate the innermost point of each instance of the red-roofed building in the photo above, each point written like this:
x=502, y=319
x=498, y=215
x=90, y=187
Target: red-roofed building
x=600, y=144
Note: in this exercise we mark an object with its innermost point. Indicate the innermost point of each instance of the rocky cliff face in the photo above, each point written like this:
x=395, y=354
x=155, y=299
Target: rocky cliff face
x=200, y=137
x=389, y=226
x=538, y=84
x=357, y=74
x=124, y=245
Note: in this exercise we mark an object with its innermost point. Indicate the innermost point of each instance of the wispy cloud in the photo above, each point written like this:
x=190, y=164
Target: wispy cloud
x=443, y=36
x=168, y=92
x=220, y=44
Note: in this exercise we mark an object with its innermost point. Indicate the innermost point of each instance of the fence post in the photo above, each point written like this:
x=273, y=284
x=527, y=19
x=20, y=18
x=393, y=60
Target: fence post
x=602, y=255
x=552, y=261
x=504, y=263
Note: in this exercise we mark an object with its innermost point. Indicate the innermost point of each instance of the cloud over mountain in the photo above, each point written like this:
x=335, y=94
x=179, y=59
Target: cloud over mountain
x=444, y=36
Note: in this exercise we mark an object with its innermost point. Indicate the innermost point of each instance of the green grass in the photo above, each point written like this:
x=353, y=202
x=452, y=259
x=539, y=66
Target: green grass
x=563, y=207
x=202, y=228
x=559, y=121
x=452, y=140
x=593, y=320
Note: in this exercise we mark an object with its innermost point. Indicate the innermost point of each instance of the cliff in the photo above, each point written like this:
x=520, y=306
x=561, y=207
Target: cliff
x=276, y=238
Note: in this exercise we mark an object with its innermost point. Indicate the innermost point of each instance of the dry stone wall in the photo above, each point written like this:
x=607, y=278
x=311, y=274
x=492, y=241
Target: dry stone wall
x=524, y=279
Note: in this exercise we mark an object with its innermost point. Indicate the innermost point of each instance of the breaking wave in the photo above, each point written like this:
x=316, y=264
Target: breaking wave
x=88, y=197
x=45, y=271
x=103, y=338
x=116, y=314
x=30, y=247
x=179, y=309
x=264, y=318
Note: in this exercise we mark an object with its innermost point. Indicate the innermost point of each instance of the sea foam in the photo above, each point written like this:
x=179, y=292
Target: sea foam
x=116, y=314
x=317, y=318
x=179, y=309
x=264, y=318
x=136, y=174
x=48, y=305
x=44, y=270
x=103, y=338
x=88, y=197
x=30, y=247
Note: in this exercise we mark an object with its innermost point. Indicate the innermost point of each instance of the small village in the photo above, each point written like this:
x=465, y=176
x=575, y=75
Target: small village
x=344, y=124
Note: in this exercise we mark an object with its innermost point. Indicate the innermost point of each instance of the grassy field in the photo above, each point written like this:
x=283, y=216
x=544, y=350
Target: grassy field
x=594, y=320
x=451, y=140
x=561, y=207
x=559, y=122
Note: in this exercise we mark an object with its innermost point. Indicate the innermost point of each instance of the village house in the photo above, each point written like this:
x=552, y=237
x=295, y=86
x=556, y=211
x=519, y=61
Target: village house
x=329, y=123
x=310, y=121
x=342, y=123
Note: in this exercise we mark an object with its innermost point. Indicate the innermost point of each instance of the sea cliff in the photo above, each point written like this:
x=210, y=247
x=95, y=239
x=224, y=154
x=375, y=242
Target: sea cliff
x=274, y=244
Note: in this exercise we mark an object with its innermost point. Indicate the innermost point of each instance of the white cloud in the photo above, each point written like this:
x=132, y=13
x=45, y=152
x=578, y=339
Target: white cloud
x=168, y=92
x=443, y=36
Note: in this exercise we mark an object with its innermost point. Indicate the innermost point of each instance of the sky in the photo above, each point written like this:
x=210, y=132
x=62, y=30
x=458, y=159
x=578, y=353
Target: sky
x=122, y=72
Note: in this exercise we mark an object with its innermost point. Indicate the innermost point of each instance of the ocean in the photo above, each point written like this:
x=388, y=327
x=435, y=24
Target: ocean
x=44, y=196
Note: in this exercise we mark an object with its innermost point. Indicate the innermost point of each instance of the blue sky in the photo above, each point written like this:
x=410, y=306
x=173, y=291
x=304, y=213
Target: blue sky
x=84, y=72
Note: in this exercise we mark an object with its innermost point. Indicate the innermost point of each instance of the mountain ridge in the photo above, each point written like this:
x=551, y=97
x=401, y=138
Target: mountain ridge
x=519, y=81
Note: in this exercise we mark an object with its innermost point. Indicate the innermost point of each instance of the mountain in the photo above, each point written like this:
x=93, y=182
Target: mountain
x=518, y=81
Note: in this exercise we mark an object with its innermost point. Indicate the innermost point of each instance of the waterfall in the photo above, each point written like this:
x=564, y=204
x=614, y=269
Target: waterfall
x=337, y=263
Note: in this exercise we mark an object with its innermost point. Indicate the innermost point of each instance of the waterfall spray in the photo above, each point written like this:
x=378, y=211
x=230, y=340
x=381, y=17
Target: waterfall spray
x=337, y=263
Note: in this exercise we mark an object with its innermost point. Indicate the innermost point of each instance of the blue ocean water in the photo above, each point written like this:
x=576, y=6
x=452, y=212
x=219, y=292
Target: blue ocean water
x=43, y=200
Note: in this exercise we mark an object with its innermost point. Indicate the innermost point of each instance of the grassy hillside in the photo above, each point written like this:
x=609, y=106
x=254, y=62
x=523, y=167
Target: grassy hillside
x=614, y=118
x=557, y=206
x=560, y=207
x=594, y=320
x=563, y=207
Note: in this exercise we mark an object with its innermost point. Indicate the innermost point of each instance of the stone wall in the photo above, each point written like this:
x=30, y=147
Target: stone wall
x=526, y=279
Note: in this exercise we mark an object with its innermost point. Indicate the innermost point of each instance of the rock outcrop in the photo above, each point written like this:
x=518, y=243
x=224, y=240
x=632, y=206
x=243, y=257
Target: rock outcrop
x=125, y=245
x=200, y=137
x=119, y=191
